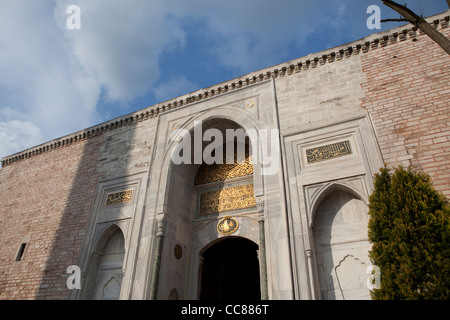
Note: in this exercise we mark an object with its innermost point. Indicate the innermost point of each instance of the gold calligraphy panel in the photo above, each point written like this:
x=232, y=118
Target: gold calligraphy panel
x=119, y=197
x=227, y=199
x=220, y=172
x=327, y=152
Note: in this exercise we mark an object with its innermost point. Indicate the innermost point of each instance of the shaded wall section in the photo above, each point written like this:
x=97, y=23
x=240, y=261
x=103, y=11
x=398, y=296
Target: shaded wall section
x=46, y=199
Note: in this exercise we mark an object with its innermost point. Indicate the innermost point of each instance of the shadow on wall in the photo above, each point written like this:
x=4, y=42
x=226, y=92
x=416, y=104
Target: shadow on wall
x=70, y=231
x=105, y=270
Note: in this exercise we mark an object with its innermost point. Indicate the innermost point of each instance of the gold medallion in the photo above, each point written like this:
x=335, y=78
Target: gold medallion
x=227, y=225
x=250, y=105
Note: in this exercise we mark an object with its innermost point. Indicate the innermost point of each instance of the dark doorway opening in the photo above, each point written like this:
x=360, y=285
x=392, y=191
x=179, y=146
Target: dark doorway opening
x=231, y=271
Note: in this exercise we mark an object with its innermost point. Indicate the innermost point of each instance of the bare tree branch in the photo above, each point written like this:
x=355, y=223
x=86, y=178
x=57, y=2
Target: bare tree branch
x=396, y=20
x=420, y=23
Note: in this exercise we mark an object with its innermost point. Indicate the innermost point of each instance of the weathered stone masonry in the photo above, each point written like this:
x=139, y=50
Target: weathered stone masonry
x=399, y=78
x=407, y=94
x=48, y=198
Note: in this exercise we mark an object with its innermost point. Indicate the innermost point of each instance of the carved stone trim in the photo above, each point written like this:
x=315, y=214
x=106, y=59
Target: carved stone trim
x=100, y=228
x=260, y=207
x=162, y=223
x=370, y=43
x=316, y=193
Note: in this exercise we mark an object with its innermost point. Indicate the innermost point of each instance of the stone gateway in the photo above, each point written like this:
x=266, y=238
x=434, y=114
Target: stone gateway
x=283, y=217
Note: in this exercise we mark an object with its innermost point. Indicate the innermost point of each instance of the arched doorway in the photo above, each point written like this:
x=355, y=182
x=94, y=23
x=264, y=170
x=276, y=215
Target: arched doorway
x=201, y=194
x=105, y=279
x=230, y=270
x=341, y=246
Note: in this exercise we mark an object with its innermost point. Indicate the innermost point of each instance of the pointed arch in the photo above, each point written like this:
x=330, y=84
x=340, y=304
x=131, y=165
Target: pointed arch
x=339, y=230
x=110, y=289
x=103, y=236
x=178, y=196
x=328, y=189
x=240, y=118
x=106, y=265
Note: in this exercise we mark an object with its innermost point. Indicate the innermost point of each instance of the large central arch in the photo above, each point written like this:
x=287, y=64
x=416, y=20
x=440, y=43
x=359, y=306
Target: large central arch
x=189, y=227
x=172, y=225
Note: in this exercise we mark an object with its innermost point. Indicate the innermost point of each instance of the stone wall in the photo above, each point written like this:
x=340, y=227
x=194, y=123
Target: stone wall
x=386, y=94
x=46, y=199
x=316, y=95
x=407, y=94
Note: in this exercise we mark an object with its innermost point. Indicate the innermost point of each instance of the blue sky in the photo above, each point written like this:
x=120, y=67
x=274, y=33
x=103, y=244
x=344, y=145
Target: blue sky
x=131, y=54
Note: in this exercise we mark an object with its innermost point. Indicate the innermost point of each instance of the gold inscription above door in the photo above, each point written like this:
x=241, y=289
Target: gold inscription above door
x=227, y=199
x=208, y=173
x=119, y=197
x=327, y=152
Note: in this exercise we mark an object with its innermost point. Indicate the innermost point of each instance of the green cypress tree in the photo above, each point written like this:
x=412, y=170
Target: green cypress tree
x=409, y=228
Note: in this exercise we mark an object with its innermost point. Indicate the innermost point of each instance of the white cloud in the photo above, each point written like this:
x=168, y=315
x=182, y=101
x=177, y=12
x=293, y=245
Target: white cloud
x=52, y=78
x=16, y=135
x=120, y=43
x=29, y=59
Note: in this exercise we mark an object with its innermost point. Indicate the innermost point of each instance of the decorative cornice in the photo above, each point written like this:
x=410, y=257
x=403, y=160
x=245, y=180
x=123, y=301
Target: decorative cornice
x=363, y=45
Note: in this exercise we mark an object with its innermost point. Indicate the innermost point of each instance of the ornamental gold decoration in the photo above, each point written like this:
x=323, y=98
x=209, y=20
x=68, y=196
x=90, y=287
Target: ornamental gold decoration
x=208, y=173
x=227, y=199
x=119, y=197
x=250, y=105
x=327, y=152
x=227, y=225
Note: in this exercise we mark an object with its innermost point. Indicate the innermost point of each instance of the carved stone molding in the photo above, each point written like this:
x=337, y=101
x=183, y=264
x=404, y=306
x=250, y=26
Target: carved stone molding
x=350, y=274
x=317, y=192
x=162, y=223
x=260, y=208
x=370, y=43
x=100, y=228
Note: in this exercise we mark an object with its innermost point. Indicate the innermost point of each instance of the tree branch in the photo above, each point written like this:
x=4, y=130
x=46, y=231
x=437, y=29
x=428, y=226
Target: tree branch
x=403, y=10
x=420, y=23
x=397, y=20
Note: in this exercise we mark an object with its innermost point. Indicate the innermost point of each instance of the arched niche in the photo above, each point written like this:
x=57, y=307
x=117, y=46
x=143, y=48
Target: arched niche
x=328, y=189
x=340, y=238
x=105, y=272
x=173, y=176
